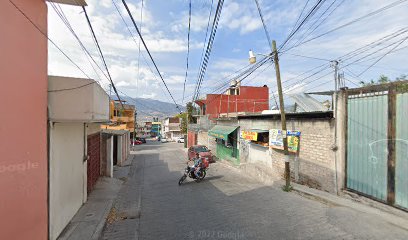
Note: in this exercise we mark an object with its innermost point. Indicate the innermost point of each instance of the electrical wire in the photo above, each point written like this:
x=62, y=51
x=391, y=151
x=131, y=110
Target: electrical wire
x=148, y=52
x=73, y=88
x=308, y=32
x=188, y=49
x=58, y=10
x=264, y=25
x=46, y=36
x=305, y=19
x=100, y=52
x=138, y=58
x=138, y=43
x=205, y=40
x=209, y=48
x=391, y=5
x=365, y=70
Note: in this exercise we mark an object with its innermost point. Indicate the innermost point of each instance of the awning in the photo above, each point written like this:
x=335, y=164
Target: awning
x=221, y=132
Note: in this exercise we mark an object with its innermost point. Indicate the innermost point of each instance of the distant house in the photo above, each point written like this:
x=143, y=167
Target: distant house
x=172, y=128
x=156, y=129
x=236, y=100
x=122, y=117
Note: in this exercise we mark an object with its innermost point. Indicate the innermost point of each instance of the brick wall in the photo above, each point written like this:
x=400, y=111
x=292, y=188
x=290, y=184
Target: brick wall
x=93, y=170
x=315, y=164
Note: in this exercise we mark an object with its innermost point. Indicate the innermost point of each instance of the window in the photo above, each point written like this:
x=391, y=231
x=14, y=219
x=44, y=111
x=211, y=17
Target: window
x=201, y=149
x=263, y=139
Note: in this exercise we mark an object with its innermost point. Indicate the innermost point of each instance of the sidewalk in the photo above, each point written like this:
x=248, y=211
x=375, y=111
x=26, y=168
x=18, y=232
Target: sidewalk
x=361, y=204
x=90, y=220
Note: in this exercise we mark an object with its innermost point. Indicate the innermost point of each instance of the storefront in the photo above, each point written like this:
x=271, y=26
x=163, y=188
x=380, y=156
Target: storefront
x=227, y=142
x=256, y=136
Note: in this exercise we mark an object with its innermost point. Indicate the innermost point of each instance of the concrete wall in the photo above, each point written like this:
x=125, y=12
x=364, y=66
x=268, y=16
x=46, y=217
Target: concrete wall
x=202, y=138
x=23, y=142
x=87, y=103
x=315, y=165
x=66, y=174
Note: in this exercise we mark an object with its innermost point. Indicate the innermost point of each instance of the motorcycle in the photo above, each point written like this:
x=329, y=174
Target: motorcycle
x=189, y=171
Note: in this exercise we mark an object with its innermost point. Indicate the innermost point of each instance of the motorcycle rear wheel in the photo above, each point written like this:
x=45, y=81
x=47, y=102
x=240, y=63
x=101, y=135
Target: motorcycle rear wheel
x=182, y=179
x=201, y=177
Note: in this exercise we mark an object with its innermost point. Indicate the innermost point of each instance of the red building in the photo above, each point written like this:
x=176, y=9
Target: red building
x=235, y=100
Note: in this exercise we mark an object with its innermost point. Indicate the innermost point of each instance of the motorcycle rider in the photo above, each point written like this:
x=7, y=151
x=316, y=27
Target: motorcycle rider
x=197, y=164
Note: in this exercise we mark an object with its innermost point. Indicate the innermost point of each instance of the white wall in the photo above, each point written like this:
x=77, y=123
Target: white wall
x=66, y=174
x=87, y=103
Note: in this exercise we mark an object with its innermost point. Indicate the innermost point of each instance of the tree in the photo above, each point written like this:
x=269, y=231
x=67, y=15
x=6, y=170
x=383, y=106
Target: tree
x=383, y=79
x=191, y=110
x=183, y=124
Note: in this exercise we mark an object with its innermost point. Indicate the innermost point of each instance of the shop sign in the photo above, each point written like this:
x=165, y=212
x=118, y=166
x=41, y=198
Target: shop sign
x=248, y=135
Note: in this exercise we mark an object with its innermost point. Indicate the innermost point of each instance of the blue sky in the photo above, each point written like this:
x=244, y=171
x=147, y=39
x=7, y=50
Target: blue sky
x=165, y=31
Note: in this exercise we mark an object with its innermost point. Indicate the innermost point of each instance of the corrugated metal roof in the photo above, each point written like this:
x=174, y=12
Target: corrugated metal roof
x=307, y=103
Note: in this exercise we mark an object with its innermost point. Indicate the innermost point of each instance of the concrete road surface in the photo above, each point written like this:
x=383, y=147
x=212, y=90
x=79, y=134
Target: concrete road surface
x=226, y=205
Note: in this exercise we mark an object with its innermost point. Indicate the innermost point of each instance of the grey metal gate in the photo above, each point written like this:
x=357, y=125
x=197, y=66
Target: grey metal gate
x=367, y=139
x=401, y=145
x=377, y=142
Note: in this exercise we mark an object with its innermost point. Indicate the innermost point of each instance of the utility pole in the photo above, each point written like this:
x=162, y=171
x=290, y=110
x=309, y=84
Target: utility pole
x=134, y=127
x=283, y=117
x=110, y=113
x=335, y=65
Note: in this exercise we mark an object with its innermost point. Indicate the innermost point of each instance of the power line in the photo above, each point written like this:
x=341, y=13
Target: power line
x=303, y=56
x=227, y=78
x=305, y=19
x=138, y=58
x=100, y=52
x=307, y=34
x=351, y=22
x=209, y=47
x=138, y=43
x=46, y=36
x=205, y=39
x=66, y=22
x=264, y=25
x=150, y=55
x=242, y=77
x=188, y=49
x=365, y=70
x=73, y=88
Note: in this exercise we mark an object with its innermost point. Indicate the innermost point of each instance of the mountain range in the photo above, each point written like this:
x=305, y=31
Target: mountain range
x=147, y=108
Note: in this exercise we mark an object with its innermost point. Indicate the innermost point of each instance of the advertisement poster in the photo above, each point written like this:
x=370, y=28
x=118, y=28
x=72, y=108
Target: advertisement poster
x=275, y=139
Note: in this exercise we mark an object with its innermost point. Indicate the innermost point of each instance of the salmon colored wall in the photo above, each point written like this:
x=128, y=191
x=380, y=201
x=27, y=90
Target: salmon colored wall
x=191, y=139
x=23, y=132
x=250, y=99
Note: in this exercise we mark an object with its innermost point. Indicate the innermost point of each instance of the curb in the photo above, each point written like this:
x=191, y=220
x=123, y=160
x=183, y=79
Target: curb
x=388, y=213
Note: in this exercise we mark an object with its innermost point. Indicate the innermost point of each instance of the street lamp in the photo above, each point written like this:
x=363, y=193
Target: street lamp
x=252, y=57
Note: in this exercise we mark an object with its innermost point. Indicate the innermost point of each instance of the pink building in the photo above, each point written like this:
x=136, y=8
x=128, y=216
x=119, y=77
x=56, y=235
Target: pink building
x=23, y=142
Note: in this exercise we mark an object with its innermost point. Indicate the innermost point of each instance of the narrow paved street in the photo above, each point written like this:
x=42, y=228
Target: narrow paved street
x=225, y=206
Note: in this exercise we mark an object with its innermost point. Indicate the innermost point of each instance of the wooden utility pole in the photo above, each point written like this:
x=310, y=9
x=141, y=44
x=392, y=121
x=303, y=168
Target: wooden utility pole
x=283, y=117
